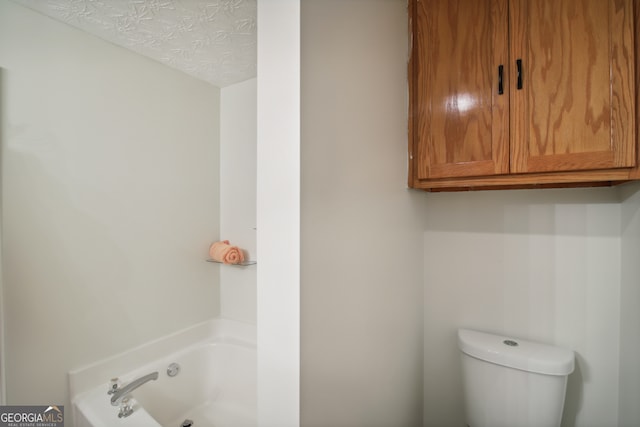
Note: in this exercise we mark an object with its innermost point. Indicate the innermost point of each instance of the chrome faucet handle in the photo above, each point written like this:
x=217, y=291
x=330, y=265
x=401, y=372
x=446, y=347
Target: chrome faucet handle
x=126, y=408
x=113, y=386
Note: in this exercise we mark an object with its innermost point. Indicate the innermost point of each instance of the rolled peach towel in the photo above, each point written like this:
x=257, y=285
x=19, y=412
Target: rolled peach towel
x=225, y=253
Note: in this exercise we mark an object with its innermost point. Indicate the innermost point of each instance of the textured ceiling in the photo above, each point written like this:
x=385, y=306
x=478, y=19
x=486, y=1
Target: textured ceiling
x=214, y=40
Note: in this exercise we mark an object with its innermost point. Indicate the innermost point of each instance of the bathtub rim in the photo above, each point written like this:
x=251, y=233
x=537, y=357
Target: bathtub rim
x=92, y=375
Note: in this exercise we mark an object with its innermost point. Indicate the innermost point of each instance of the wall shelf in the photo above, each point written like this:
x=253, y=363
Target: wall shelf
x=242, y=264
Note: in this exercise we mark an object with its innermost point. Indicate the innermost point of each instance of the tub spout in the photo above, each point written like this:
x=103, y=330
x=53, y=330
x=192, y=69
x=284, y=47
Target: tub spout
x=121, y=393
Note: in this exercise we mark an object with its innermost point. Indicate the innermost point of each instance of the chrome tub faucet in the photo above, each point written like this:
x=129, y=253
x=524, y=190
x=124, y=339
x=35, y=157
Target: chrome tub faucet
x=120, y=394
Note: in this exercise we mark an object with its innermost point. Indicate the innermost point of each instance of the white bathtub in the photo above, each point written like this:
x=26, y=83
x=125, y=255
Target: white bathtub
x=216, y=385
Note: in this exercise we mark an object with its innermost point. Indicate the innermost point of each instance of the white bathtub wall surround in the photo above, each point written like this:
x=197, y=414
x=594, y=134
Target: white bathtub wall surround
x=629, y=394
x=238, y=196
x=215, y=384
x=84, y=378
x=361, y=265
x=110, y=199
x=542, y=265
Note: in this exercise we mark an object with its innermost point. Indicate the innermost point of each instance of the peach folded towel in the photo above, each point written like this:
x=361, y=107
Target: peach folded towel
x=225, y=253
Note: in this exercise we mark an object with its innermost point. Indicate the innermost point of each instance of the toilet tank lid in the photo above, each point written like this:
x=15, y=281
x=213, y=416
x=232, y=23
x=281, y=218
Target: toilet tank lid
x=516, y=353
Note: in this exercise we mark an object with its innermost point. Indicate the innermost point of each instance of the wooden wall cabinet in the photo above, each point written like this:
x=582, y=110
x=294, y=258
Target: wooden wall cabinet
x=522, y=93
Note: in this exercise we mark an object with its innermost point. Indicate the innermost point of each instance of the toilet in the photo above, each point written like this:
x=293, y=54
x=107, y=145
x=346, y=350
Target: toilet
x=509, y=382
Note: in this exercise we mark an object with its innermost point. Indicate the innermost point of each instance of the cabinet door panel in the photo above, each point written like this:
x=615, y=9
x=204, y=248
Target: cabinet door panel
x=461, y=122
x=575, y=110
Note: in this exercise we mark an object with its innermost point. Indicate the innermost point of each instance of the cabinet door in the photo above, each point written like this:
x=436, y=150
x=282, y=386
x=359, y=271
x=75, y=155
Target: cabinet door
x=574, y=109
x=461, y=124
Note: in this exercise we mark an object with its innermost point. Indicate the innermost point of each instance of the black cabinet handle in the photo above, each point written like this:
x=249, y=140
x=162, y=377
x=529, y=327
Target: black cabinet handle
x=500, y=85
x=519, y=71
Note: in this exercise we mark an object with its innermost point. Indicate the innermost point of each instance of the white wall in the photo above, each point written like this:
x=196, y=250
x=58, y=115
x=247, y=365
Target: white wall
x=2, y=323
x=629, y=310
x=361, y=277
x=238, y=106
x=110, y=199
x=536, y=264
x=558, y=266
x=278, y=213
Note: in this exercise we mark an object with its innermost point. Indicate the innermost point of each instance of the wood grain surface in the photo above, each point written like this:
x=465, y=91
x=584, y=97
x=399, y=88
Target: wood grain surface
x=576, y=108
x=461, y=121
x=573, y=121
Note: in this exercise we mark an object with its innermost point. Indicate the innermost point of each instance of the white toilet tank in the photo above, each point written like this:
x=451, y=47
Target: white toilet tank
x=510, y=382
